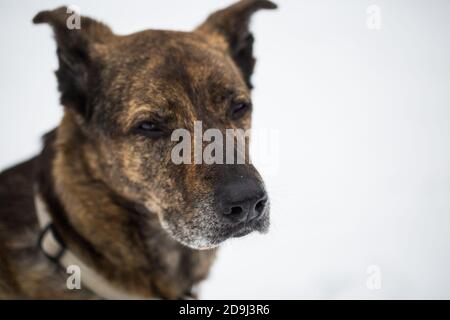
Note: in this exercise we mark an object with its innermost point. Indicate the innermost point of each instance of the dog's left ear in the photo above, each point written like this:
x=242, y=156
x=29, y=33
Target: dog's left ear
x=232, y=25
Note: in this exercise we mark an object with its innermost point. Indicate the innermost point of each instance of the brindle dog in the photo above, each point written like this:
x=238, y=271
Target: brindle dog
x=117, y=201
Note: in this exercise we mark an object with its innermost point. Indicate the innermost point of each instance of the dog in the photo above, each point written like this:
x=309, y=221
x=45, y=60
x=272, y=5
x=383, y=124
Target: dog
x=102, y=212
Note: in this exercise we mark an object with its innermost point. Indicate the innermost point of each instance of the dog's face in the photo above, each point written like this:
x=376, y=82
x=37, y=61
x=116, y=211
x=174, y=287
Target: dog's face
x=129, y=94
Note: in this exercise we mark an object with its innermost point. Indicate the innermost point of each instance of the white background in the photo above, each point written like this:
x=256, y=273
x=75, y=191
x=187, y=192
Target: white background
x=360, y=175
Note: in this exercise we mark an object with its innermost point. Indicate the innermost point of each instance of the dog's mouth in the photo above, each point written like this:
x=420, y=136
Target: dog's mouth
x=207, y=232
x=260, y=225
x=243, y=232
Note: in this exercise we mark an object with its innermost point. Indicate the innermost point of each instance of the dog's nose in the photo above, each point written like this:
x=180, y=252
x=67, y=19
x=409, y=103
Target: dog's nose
x=242, y=200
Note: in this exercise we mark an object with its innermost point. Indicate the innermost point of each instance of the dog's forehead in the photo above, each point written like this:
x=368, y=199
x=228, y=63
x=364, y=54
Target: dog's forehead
x=166, y=54
x=179, y=57
x=164, y=69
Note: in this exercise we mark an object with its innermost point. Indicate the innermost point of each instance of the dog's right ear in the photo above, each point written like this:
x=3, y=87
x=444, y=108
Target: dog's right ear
x=232, y=25
x=79, y=45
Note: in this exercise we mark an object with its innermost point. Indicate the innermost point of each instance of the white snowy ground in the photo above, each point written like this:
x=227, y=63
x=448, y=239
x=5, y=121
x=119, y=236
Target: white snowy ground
x=359, y=175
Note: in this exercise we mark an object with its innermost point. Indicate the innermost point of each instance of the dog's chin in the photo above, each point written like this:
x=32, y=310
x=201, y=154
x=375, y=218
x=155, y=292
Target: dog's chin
x=213, y=234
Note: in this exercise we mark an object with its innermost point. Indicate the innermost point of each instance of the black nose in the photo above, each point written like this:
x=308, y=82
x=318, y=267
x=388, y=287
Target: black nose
x=242, y=200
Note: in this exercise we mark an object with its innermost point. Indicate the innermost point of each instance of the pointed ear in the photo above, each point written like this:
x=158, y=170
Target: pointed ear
x=232, y=25
x=78, y=47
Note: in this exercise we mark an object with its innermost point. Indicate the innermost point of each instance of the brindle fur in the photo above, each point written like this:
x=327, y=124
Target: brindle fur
x=116, y=199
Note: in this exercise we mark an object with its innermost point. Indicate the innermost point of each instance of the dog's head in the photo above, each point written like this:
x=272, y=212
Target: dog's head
x=129, y=93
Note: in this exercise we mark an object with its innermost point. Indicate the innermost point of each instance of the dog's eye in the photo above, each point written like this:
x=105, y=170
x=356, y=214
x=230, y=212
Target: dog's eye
x=149, y=129
x=238, y=110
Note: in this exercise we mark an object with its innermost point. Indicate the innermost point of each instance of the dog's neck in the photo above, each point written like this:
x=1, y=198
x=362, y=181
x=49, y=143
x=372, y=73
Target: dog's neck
x=119, y=239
